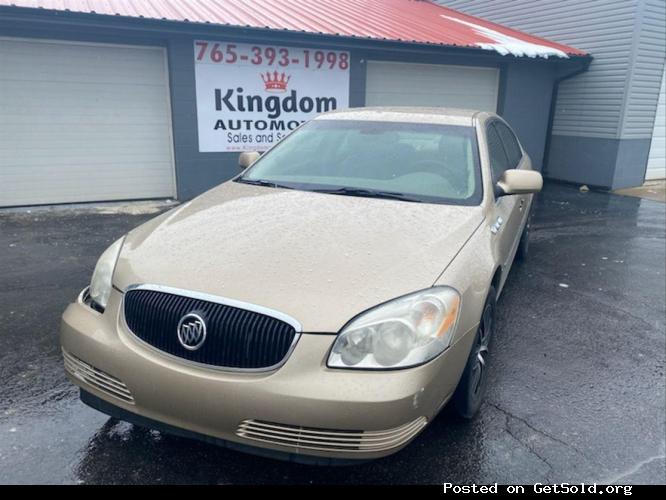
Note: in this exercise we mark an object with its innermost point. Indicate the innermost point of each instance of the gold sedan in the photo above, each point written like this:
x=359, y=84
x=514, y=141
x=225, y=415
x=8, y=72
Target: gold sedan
x=326, y=303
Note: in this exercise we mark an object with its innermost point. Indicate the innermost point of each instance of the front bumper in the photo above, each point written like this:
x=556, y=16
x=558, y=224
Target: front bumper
x=302, y=408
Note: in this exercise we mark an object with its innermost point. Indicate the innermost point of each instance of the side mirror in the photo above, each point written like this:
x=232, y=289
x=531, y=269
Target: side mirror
x=248, y=158
x=519, y=182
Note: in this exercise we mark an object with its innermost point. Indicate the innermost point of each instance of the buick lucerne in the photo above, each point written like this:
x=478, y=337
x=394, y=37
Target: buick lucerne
x=324, y=304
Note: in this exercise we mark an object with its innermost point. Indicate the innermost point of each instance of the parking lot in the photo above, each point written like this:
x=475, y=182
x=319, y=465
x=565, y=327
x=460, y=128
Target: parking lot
x=577, y=391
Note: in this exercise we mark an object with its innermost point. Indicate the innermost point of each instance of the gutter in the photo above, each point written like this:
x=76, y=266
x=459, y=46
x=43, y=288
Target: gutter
x=586, y=61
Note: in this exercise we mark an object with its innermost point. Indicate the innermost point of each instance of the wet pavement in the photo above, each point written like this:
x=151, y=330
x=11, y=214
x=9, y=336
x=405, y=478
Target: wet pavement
x=651, y=190
x=577, y=390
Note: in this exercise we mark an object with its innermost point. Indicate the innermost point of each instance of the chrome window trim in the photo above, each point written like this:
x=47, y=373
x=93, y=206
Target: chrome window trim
x=218, y=300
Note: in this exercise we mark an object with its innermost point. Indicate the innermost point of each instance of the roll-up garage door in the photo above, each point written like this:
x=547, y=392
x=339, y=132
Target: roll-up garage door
x=83, y=122
x=656, y=167
x=407, y=84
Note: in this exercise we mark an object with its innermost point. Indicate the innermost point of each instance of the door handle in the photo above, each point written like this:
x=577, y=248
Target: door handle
x=521, y=204
x=497, y=225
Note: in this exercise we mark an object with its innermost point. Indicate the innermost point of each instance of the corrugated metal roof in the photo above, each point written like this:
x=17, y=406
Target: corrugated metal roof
x=412, y=21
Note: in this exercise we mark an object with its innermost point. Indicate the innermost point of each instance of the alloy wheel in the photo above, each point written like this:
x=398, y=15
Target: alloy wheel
x=481, y=352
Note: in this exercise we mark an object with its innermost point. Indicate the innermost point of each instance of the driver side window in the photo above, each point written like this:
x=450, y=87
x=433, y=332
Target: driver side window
x=499, y=161
x=511, y=146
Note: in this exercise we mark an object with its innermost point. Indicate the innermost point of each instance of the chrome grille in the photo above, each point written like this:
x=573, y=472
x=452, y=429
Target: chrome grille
x=329, y=439
x=96, y=378
x=236, y=338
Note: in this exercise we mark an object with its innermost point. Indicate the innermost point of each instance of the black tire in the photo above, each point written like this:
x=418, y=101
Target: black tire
x=523, y=246
x=472, y=386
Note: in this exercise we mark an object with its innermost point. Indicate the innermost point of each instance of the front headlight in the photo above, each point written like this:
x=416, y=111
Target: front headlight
x=403, y=332
x=100, y=284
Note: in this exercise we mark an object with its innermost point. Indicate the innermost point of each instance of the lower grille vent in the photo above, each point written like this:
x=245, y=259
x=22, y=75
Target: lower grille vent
x=327, y=439
x=97, y=378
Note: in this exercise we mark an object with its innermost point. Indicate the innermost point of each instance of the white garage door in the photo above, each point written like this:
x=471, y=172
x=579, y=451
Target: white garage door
x=406, y=84
x=83, y=122
x=656, y=167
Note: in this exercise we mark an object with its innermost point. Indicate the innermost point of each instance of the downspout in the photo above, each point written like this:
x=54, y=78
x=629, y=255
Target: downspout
x=553, y=104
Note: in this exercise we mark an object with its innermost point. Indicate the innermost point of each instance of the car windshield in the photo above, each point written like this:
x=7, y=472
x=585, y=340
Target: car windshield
x=406, y=161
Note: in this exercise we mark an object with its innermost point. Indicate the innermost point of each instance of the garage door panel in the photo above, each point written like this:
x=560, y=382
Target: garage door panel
x=72, y=74
x=96, y=146
x=67, y=158
x=132, y=119
x=85, y=131
x=83, y=123
x=62, y=190
x=34, y=61
x=38, y=145
x=406, y=84
x=50, y=174
x=88, y=98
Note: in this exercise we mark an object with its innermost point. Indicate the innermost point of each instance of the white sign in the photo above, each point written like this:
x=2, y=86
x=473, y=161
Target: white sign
x=251, y=96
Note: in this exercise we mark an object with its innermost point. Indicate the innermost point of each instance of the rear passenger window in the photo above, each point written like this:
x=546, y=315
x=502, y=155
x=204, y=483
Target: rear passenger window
x=511, y=146
x=499, y=161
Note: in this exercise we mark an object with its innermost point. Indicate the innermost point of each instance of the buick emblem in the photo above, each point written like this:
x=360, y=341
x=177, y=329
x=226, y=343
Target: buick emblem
x=191, y=331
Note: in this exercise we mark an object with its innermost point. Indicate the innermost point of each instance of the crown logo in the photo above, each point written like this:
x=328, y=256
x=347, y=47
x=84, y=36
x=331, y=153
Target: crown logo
x=274, y=82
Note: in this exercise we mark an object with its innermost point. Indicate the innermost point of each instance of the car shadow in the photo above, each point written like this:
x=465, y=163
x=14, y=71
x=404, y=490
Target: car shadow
x=142, y=456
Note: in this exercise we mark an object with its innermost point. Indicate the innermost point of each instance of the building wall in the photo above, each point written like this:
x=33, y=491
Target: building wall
x=612, y=105
x=524, y=95
x=196, y=172
x=657, y=159
x=524, y=101
x=525, y=104
x=647, y=65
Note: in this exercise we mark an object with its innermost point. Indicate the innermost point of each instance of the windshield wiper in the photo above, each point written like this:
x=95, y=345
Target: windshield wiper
x=368, y=193
x=262, y=182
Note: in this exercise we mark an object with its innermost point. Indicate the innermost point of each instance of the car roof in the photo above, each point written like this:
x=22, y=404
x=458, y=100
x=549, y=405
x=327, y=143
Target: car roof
x=412, y=114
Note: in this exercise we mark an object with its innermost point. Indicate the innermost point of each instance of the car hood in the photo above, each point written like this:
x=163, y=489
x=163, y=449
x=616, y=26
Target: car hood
x=319, y=258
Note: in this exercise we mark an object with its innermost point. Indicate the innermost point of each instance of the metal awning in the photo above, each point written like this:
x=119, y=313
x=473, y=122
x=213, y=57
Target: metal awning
x=408, y=21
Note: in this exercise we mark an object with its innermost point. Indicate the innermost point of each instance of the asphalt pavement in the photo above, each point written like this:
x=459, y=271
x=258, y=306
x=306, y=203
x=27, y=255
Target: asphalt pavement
x=578, y=391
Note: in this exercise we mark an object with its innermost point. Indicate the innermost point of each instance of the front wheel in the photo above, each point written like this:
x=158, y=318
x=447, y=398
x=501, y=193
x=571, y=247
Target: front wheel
x=472, y=386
